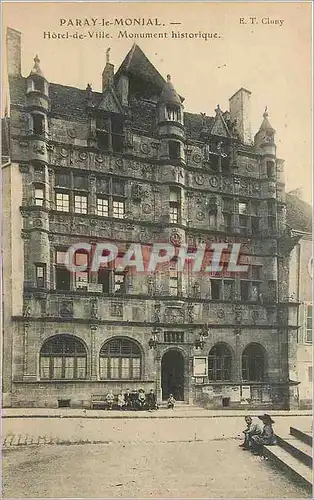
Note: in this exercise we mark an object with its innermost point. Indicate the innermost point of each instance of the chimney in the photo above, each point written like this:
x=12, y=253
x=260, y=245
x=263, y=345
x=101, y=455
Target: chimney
x=239, y=106
x=13, y=52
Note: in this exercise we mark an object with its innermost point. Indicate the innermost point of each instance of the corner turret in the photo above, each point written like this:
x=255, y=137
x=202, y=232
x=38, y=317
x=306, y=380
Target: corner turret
x=170, y=123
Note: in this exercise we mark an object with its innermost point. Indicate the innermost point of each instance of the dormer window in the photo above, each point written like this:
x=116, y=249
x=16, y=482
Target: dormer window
x=39, y=85
x=173, y=114
x=109, y=131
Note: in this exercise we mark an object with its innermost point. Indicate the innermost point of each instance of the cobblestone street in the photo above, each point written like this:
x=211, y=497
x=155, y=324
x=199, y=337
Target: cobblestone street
x=137, y=458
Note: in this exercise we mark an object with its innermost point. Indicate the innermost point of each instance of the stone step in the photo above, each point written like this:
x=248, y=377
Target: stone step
x=291, y=465
x=296, y=448
x=304, y=436
x=180, y=405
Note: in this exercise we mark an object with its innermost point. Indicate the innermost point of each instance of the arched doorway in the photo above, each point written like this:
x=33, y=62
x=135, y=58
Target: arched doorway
x=253, y=363
x=172, y=375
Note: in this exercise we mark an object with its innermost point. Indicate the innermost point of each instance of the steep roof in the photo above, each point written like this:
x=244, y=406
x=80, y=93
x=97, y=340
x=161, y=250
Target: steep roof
x=299, y=213
x=137, y=64
x=265, y=125
x=69, y=103
x=169, y=94
x=36, y=71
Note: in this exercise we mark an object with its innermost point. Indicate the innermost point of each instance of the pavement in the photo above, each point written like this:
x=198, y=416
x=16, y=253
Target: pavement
x=145, y=427
x=184, y=453
x=138, y=458
x=186, y=411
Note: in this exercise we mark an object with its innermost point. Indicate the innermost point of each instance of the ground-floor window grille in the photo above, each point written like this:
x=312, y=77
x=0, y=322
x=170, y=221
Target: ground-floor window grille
x=253, y=363
x=219, y=363
x=120, y=359
x=63, y=357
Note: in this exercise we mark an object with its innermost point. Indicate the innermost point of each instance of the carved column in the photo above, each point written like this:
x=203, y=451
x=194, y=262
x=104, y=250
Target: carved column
x=158, y=377
x=29, y=372
x=93, y=195
x=189, y=386
x=93, y=355
x=25, y=327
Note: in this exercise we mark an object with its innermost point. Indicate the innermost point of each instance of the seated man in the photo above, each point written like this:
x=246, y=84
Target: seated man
x=134, y=398
x=252, y=429
x=141, y=402
x=152, y=400
x=128, y=400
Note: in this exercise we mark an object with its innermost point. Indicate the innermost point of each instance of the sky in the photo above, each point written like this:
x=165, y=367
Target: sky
x=270, y=56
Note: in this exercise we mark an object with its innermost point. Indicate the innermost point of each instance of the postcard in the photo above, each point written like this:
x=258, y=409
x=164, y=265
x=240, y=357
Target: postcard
x=157, y=250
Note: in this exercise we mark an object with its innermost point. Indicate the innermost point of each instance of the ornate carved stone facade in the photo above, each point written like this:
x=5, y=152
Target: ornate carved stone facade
x=129, y=165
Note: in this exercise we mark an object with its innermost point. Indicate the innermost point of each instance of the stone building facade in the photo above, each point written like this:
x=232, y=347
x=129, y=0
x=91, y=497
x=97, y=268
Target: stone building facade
x=127, y=165
x=299, y=219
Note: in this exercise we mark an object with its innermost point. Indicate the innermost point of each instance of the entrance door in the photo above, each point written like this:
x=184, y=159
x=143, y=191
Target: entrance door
x=172, y=375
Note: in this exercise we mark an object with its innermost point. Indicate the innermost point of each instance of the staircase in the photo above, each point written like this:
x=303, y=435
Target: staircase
x=293, y=454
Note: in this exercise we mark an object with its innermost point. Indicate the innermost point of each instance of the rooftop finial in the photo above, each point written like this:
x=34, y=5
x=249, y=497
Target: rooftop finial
x=265, y=115
x=108, y=55
x=168, y=78
x=36, y=69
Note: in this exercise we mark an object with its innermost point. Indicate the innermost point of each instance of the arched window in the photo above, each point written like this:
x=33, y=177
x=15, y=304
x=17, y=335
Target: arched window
x=120, y=358
x=253, y=363
x=219, y=363
x=63, y=357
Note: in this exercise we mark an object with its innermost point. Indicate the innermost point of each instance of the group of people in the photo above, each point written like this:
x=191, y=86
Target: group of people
x=136, y=400
x=255, y=436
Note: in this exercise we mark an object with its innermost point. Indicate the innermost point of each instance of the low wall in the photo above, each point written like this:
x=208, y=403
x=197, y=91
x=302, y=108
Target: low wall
x=75, y=394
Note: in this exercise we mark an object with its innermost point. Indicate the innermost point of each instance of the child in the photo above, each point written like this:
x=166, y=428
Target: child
x=267, y=436
x=171, y=401
x=110, y=400
x=121, y=401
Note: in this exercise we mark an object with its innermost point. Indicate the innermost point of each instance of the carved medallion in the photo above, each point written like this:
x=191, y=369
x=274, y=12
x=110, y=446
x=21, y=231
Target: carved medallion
x=197, y=158
x=147, y=208
x=255, y=315
x=38, y=223
x=72, y=133
x=200, y=216
x=175, y=239
x=213, y=181
x=64, y=152
x=220, y=313
x=83, y=155
x=145, y=148
x=199, y=179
